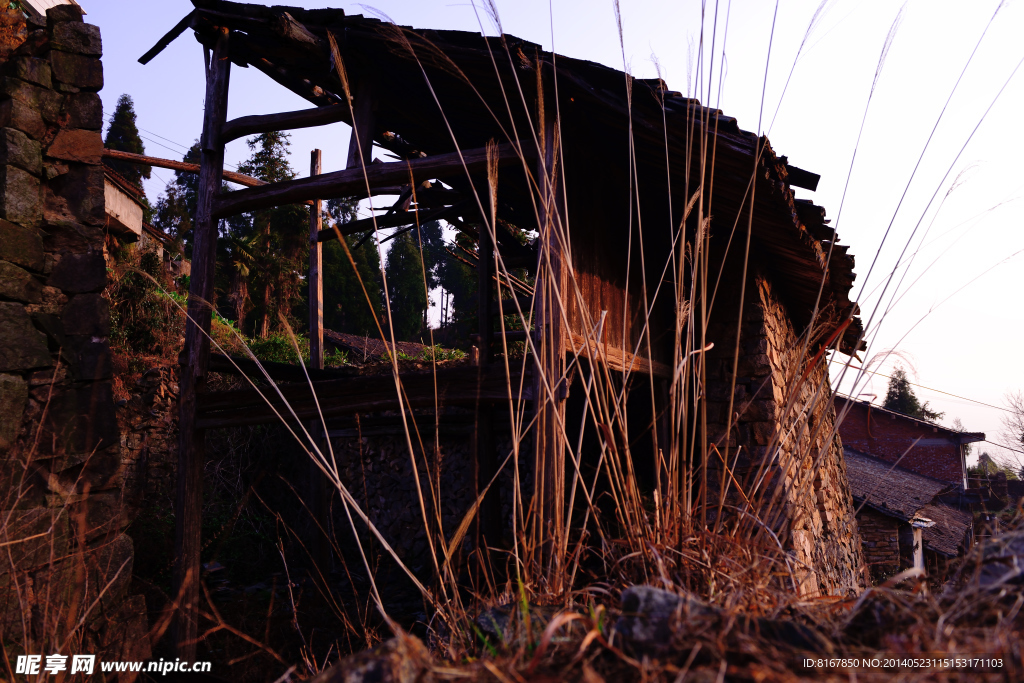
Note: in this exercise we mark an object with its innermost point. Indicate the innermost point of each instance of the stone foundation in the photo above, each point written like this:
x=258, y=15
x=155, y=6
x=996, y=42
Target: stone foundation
x=60, y=460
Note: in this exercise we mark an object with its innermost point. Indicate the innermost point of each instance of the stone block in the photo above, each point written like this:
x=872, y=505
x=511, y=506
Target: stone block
x=85, y=110
x=92, y=358
x=17, y=149
x=21, y=246
x=87, y=314
x=67, y=234
x=47, y=102
x=80, y=71
x=84, y=146
x=32, y=70
x=76, y=196
x=19, y=196
x=24, y=117
x=77, y=273
x=81, y=38
x=19, y=284
x=81, y=419
x=22, y=346
x=13, y=396
x=50, y=325
x=63, y=13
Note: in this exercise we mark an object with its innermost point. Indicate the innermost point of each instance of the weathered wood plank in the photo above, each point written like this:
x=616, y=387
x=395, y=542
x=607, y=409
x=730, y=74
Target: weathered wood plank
x=144, y=160
x=455, y=386
x=316, y=275
x=280, y=372
x=616, y=358
x=191, y=439
x=289, y=120
x=352, y=182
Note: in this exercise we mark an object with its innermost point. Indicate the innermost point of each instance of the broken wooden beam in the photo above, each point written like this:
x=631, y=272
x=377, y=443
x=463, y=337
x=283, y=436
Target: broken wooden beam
x=280, y=372
x=352, y=181
x=289, y=120
x=365, y=394
x=616, y=358
x=184, y=166
x=391, y=220
x=168, y=38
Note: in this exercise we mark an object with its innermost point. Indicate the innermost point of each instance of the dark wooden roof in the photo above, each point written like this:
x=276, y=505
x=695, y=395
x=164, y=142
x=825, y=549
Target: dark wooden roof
x=439, y=91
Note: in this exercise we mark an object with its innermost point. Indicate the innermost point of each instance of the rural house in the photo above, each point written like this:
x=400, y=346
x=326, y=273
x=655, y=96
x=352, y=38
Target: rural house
x=923, y=447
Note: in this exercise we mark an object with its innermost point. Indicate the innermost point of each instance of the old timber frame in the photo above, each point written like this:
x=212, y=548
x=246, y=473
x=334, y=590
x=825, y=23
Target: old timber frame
x=438, y=102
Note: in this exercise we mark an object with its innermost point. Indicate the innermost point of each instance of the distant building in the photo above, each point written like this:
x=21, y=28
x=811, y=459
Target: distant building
x=39, y=7
x=918, y=446
x=902, y=517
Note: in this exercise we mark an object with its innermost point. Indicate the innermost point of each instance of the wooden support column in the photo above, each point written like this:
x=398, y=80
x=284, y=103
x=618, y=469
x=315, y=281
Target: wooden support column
x=319, y=498
x=191, y=441
x=316, y=275
x=549, y=394
x=362, y=127
x=489, y=520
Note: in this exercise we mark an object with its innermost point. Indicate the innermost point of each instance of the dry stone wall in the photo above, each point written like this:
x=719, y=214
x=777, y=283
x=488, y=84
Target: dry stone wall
x=784, y=428
x=60, y=459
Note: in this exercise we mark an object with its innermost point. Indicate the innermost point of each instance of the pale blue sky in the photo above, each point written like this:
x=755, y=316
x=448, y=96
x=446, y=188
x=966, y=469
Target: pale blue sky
x=966, y=345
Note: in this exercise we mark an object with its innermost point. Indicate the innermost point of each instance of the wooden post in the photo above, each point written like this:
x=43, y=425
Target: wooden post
x=316, y=275
x=549, y=486
x=489, y=521
x=191, y=442
x=362, y=131
x=318, y=493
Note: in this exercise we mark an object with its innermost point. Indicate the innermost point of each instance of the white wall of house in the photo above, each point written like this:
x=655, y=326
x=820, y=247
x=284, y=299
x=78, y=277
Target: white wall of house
x=124, y=212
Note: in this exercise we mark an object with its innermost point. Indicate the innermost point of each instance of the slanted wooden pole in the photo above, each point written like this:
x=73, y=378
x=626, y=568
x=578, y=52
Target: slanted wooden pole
x=362, y=127
x=318, y=494
x=549, y=393
x=191, y=441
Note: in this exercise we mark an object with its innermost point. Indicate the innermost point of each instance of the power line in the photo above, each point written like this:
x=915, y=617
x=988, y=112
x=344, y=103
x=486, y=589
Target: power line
x=940, y=391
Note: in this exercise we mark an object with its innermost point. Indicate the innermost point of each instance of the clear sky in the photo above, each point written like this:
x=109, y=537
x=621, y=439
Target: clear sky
x=959, y=331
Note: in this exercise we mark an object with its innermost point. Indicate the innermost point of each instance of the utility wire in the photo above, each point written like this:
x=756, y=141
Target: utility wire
x=940, y=391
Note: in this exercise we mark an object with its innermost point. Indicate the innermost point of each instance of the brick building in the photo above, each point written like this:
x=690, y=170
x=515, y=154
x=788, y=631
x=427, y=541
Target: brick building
x=902, y=519
x=922, y=447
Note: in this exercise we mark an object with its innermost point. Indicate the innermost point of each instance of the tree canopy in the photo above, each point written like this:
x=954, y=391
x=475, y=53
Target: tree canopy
x=900, y=397
x=123, y=135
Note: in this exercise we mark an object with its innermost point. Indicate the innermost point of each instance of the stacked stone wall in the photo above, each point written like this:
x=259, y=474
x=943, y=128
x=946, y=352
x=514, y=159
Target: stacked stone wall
x=880, y=535
x=783, y=440
x=60, y=460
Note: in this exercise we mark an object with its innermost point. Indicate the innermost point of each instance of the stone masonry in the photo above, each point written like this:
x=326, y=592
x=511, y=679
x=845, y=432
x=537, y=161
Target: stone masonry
x=804, y=496
x=61, y=507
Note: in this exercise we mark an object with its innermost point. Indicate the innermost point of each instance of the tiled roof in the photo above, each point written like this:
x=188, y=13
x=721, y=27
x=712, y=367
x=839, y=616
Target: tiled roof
x=903, y=494
x=369, y=347
x=891, y=490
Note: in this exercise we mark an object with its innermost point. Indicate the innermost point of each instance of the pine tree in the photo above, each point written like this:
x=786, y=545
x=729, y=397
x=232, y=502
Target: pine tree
x=899, y=397
x=123, y=135
x=345, y=305
x=277, y=238
x=404, y=270
x=175, y=210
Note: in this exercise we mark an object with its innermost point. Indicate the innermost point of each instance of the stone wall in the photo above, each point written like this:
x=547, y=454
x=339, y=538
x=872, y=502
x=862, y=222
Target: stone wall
x=61, y=464
x=880, y=535
x=785, y=432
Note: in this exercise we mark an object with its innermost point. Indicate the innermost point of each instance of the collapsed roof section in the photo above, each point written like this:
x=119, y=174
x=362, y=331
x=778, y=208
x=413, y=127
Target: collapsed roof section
x=440, y=91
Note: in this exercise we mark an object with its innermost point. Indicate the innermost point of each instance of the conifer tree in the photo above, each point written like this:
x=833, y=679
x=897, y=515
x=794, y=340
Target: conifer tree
x=345, y=305
x=404, y=271
x=900, y=398
x=123, y=135
x=175, y=210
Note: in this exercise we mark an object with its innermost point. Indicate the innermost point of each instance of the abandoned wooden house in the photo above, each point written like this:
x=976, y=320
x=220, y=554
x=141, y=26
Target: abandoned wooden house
x=614, y=175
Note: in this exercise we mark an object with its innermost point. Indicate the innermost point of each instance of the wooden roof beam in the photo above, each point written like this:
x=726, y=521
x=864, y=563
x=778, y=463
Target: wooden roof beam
x=289, y=120
x=351, y=182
